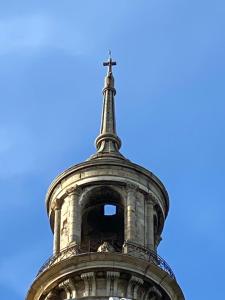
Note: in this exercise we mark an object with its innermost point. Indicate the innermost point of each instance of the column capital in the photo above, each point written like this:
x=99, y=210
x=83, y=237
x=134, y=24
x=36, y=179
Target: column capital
x=74, y=190
x=57, y=204
x=131, y=186
x=69, y=287
x=136, y=280
x=66, y=283
x=112, y=274
x=151, y=199
x=87, y=275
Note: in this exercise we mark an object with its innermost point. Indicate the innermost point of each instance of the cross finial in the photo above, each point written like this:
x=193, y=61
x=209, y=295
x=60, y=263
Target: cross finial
x=109, y=63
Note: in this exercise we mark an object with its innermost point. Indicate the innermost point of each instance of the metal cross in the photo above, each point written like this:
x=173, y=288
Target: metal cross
x=109, y=63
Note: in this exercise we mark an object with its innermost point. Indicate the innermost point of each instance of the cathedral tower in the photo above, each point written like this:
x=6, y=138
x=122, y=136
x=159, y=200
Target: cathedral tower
x=107, y=215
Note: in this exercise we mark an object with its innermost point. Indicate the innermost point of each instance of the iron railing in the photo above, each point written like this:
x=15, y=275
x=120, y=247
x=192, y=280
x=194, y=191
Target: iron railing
x=149, y=255
x=132, y=249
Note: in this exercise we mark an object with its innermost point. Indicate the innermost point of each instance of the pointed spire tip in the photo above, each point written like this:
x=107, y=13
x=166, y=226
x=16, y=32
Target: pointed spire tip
x=108, y=143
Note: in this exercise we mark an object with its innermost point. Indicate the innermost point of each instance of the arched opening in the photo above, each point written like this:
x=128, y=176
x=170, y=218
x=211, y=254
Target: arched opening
x=102, y=221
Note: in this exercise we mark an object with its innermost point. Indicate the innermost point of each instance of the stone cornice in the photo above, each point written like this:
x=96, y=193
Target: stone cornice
x=111, y=261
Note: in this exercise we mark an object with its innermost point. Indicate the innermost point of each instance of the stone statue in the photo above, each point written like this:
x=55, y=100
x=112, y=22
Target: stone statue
x=106, y=247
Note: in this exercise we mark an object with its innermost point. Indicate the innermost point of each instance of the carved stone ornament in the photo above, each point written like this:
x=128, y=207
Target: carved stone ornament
x=89, y=283
x=57, y=204
x=152, y=197
x=131, y=186
x=133, y=287
x=74, y=190
x=106, y=247
x=132, y=190
x=69, y=287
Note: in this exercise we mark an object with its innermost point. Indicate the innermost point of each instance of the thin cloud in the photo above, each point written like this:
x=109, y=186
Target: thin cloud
x=35, y=32
x=21, y=33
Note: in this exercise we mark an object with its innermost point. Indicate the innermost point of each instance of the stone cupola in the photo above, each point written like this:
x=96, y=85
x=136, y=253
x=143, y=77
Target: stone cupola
x=107, y=215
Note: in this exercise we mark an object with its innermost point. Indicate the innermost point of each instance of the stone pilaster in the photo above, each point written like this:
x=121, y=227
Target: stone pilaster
x=89, y=284
x=57, y=224
x=112, y=283
x=130, y=229
x=75, y=215
x=150, y=243
x=133, y=287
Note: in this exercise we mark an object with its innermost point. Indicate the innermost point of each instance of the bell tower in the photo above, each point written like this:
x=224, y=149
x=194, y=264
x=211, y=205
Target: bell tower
x=107, y=215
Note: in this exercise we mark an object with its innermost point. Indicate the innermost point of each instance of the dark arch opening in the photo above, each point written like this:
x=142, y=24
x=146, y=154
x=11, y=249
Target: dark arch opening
x=102, y=220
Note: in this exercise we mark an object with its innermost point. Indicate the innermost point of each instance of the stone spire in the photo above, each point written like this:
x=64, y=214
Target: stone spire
x=108, y=143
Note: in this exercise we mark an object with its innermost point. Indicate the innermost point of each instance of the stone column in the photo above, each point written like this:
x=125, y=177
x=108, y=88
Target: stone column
x=57, y=223
x=150, y=243
x=75, y=215
x=131, y=213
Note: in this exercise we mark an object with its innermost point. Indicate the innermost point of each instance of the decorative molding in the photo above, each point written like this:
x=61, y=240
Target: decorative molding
x=74, y=190
x=69, y=287
x=112, y=283
x=133, y=287
x=89, y=284
x=152, y=198
x=57, y=204
x=153, y=294
x=132, y=187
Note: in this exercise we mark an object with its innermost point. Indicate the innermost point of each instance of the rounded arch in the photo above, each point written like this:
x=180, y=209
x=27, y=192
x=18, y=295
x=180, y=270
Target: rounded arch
x=106, y=190
x=102, y=216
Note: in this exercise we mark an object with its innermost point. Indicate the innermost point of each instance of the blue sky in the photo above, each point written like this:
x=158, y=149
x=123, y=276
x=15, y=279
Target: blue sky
x=170, y=115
